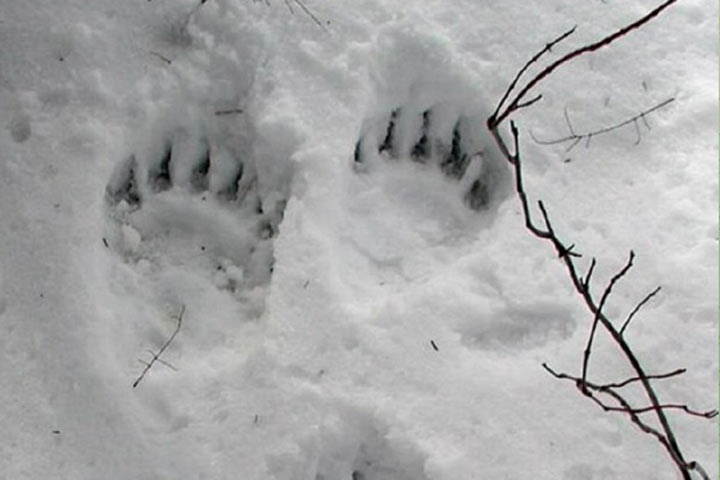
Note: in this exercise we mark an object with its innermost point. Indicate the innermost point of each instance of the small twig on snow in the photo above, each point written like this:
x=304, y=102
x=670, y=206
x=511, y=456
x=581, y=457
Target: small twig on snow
x=232, y=111
x=156, y=356
x=576, y=138
x=161, y=57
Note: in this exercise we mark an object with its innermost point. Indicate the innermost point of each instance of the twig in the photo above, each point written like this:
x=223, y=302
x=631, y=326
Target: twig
x=304, y=8
x=161, y=57
x=638, y=307
x=575, y=138
x=156, y=356
x=652, y=408
x=698, y=468
x=310, y=14
x=588, y=275
x=232, y=111
x=660, y=376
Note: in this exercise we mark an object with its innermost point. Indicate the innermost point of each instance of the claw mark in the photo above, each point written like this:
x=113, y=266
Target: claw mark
x=421, y=150
x=123, y=186
x=387, y=144
x=160, y=176
x=456, y=162
x=199, y=179
x=478, y=197
x=357, y=155
x=230, y=192
x=454, y=157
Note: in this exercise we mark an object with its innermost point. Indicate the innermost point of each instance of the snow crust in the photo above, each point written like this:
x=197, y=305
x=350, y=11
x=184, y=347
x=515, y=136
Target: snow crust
x=352, y=312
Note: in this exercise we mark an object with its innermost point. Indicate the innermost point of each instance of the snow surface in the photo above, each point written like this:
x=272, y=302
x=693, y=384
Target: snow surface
x=314, y=287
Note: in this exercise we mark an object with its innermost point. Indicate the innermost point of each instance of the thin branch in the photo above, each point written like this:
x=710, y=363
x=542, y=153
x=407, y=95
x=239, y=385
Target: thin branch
x=156, y=356
x=497, y=118
x=698, y=468
x=161, y=57
x=232, y=111
x=638, y=307
x=310, y=14
x=659, y=376
x=588, y=275
x=575, y=138
x=653, y=408
x=529, y=102
x=560, y=247
x=548, y=47
x=515, y=160
x=580, y=382
x=601, y=305
x=634, y=418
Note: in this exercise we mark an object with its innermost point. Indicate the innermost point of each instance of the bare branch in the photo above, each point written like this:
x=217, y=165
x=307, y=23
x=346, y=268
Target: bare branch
x=515, y=160
x=156, y=356
x=664, y=432
x=534, y=59
x=667, y=437
x=638, y=307
x=498, y=118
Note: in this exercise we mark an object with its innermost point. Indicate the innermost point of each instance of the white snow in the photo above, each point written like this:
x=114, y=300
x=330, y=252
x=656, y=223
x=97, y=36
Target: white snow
x=317, y=286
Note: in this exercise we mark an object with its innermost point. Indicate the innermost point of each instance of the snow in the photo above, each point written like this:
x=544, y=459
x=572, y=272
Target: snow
x=348, y=316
